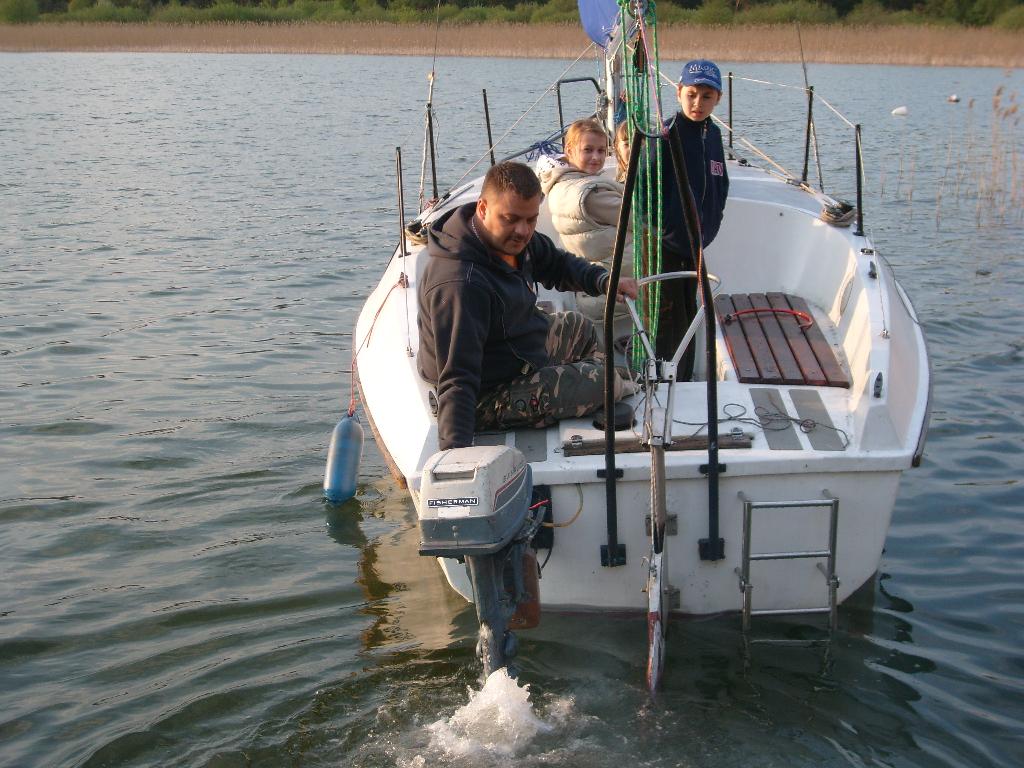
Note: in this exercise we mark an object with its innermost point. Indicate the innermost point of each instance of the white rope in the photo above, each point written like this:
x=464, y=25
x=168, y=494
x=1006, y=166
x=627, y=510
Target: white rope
x=786, y=173
x=769, y=82
x=836, y=111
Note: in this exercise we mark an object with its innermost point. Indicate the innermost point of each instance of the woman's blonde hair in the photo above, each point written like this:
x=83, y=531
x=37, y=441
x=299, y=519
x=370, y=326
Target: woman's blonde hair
x=621, y=134
x=575, y=133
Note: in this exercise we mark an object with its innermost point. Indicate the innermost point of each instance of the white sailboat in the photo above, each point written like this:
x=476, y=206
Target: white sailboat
x=785, y=510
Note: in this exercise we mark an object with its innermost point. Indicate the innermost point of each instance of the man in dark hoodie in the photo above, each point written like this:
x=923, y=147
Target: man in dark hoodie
x=699, y=91
x=497, y=359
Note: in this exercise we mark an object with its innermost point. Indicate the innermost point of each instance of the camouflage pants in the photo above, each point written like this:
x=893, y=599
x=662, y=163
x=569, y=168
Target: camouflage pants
x=572, y=385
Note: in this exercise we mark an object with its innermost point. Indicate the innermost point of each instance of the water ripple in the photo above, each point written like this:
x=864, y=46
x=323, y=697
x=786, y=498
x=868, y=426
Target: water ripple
x=186, y=242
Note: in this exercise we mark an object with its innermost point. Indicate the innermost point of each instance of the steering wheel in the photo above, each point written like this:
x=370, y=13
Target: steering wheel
x=691, y=331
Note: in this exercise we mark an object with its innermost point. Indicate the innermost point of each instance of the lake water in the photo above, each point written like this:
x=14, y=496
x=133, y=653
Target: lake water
x=185, y=242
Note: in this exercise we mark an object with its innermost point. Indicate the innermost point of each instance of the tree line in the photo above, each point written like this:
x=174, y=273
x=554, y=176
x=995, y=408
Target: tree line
x=1005, y=14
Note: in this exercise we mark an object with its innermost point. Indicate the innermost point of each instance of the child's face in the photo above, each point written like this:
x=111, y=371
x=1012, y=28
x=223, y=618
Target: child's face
x=589, y=153
x=697, y=101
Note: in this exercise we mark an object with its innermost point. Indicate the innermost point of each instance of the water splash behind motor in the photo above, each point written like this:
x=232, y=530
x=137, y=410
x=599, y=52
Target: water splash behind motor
x=499, y=720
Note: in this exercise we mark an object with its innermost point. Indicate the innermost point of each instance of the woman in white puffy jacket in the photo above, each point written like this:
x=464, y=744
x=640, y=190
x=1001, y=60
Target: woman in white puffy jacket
x=584, y=202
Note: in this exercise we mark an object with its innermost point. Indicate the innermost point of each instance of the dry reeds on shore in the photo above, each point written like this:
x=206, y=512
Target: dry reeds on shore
x=838, y=44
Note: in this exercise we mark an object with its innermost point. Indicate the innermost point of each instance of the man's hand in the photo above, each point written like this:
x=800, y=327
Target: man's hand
x=627, y=288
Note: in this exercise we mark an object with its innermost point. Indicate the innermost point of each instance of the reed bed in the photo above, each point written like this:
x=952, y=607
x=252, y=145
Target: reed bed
x=939, y=46
x=982, y=172
x=989, y=169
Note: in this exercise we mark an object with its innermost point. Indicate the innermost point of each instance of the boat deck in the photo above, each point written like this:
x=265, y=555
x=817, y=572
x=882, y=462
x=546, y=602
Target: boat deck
x=803, y=405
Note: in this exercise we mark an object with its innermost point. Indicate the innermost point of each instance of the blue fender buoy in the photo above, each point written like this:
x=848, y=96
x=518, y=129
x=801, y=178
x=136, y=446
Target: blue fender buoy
x=343, y=460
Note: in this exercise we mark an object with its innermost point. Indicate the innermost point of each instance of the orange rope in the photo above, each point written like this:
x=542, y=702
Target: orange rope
x=352, y=387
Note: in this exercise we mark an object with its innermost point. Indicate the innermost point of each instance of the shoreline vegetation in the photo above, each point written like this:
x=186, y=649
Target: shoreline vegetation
x=822, y=43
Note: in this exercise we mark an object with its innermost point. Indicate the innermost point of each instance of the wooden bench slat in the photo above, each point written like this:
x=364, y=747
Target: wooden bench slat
x=791, y=373
x=742, y=359
x=798, y=344
x=774, y=348
x=757, y=341
x=823, y=351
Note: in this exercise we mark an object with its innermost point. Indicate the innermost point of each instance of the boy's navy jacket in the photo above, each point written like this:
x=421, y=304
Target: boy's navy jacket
x=478, y=318
x=709, y=182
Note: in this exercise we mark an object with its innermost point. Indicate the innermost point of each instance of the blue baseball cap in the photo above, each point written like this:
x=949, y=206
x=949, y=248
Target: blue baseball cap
x=701, y=72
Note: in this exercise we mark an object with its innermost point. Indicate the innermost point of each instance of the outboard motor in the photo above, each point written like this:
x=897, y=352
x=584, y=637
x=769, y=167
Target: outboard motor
x=475, y=506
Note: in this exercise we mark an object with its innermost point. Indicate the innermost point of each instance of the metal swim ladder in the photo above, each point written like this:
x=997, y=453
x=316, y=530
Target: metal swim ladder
x=829, y=555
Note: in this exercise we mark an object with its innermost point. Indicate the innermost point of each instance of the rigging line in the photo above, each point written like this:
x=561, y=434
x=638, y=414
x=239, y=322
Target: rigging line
x=429, y=107
x=838, y=114
x=904, y=299
x=817, y=97
x=437, y=30
x=803, y=61
x=423, y=154
x=764, y=156
x=428, y=114
x=863, y=175
x=881, y=297
x=817, y=157
x=813, y=136
x=768, y=82
x=653, y=67
x=522, y=117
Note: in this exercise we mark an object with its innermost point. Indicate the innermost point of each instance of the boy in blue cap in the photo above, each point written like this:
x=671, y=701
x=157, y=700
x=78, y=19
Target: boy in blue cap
x=699, y=91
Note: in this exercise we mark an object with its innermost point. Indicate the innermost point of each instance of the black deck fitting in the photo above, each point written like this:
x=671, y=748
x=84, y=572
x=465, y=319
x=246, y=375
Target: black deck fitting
x=711, y=549
x=620, y=556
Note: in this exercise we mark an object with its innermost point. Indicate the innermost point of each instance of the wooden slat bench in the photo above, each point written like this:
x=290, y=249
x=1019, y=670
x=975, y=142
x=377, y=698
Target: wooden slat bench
x=769, y=347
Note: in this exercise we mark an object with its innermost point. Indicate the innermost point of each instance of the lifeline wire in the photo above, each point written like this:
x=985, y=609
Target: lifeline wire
x=363, y=343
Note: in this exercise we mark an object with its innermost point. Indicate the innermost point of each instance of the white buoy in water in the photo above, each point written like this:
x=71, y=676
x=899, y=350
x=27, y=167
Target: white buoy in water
x=900, y=112
x=953, y=98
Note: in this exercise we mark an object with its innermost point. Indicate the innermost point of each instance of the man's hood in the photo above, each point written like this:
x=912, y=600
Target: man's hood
x=452, y=237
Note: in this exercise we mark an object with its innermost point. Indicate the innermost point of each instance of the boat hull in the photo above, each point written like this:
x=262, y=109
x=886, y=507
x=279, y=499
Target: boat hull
x=863, y=436
x=574, y=580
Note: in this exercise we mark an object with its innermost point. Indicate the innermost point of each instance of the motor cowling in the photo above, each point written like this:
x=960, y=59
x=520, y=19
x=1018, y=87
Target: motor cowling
x=475, y=506
x=473, y=501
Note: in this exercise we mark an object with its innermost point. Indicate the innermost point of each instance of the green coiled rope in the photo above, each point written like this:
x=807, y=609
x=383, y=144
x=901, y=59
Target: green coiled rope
x=641, y=65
